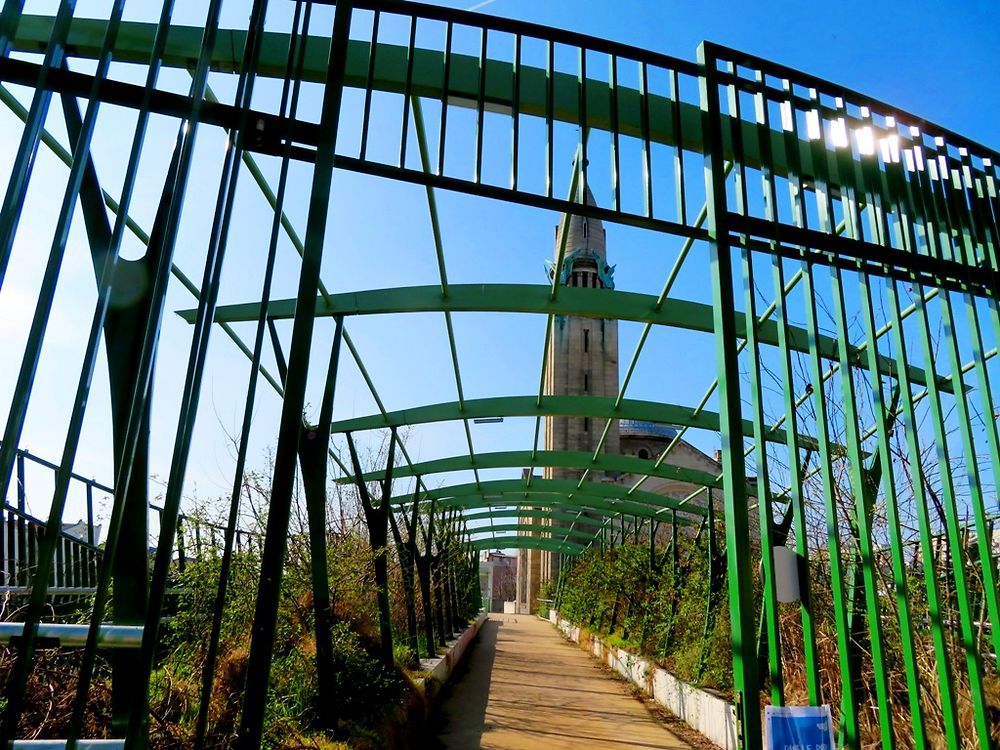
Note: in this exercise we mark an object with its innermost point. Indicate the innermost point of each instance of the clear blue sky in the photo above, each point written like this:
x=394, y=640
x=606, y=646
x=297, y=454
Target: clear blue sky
x=934, y=59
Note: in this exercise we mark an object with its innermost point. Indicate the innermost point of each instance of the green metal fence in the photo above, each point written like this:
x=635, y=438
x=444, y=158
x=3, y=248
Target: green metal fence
x=852, y=254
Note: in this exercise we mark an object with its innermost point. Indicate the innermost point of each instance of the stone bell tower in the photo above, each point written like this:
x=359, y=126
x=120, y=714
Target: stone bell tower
x=583, y=352
x=582, y=360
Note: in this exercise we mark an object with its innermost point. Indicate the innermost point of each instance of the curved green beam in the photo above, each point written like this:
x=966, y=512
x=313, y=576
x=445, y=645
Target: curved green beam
x=527, y=542
x=554, y=512
x=595, y=407
x=558, y=459
x=518, y=513
x=577, y=503
x=537, y=298
x=531, y=529
x=560, y=487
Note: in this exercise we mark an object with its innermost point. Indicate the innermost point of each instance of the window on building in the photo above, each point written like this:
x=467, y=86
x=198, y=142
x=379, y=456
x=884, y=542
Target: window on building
x=586, y=382
x=586, y=424
x=586, y=228
x=586, y=339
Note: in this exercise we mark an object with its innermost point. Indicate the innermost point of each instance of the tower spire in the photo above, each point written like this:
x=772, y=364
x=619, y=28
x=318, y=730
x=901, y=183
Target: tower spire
x=585, y=262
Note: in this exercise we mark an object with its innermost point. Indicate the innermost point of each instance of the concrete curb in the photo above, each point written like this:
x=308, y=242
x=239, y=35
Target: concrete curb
x=708, y=714
x=441, y=668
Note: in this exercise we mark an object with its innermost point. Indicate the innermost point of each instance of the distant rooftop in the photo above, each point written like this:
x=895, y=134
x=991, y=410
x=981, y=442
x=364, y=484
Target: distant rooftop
x=643, y=427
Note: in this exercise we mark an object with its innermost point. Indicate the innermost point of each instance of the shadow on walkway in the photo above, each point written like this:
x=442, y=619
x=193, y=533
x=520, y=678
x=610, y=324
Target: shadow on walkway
x=461, y=719
x=523, y=687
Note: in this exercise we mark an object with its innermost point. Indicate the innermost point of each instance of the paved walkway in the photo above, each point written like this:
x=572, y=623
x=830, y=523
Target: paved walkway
x=525, y=688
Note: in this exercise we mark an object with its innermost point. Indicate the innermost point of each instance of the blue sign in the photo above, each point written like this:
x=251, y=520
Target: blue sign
x=798, y=728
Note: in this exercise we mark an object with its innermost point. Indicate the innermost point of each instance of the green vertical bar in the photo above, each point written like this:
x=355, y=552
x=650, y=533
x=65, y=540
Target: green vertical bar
x=25, y=653
x=24, y=160
x=932, y=186
x=272, y=563
x=446, y=76
x=862, y=512
x=952, y=523
x=369, y=87
x=647, y=168
x=296, y=54
x=515, y=113
x=988, y=409
x=549, y=116
x=876, y=185
x=745, y=677
x=675, y=101
x=616, y=189
x=790, y=406
x=907, y=232
x=584, y=128
x=407, y=88
x=835, y=168
x=477, y=176
x=769, y=594
x=968, y=226
x=815, y=364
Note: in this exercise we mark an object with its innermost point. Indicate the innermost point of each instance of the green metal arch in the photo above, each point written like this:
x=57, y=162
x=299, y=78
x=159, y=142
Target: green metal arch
x=537, y=298
x=527, y=542
x=553, y=512
x=559, y=459
x=531, y=512
x=530, y=529
x=575, y=503
x=562, y=487
x=595, y=407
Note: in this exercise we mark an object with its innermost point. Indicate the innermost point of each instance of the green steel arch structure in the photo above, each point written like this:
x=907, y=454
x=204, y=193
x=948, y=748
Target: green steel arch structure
x=808, y=197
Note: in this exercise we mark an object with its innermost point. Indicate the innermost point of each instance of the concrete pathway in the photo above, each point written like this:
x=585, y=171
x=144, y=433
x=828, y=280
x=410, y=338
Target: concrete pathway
x=525, y=688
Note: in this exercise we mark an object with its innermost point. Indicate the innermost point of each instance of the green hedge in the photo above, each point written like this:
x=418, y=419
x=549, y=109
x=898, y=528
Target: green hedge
x=655, y=609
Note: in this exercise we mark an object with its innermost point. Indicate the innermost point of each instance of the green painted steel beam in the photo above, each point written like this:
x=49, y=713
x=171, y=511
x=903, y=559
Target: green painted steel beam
x=537, y=298
x=653, y=117
x=561, y=487
x=560, y=459
x=575, y=503
x=518, y=513
x=595, y=407
x=390, y=73
x=529, y=529
x=527, y=542
x=547, y=508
